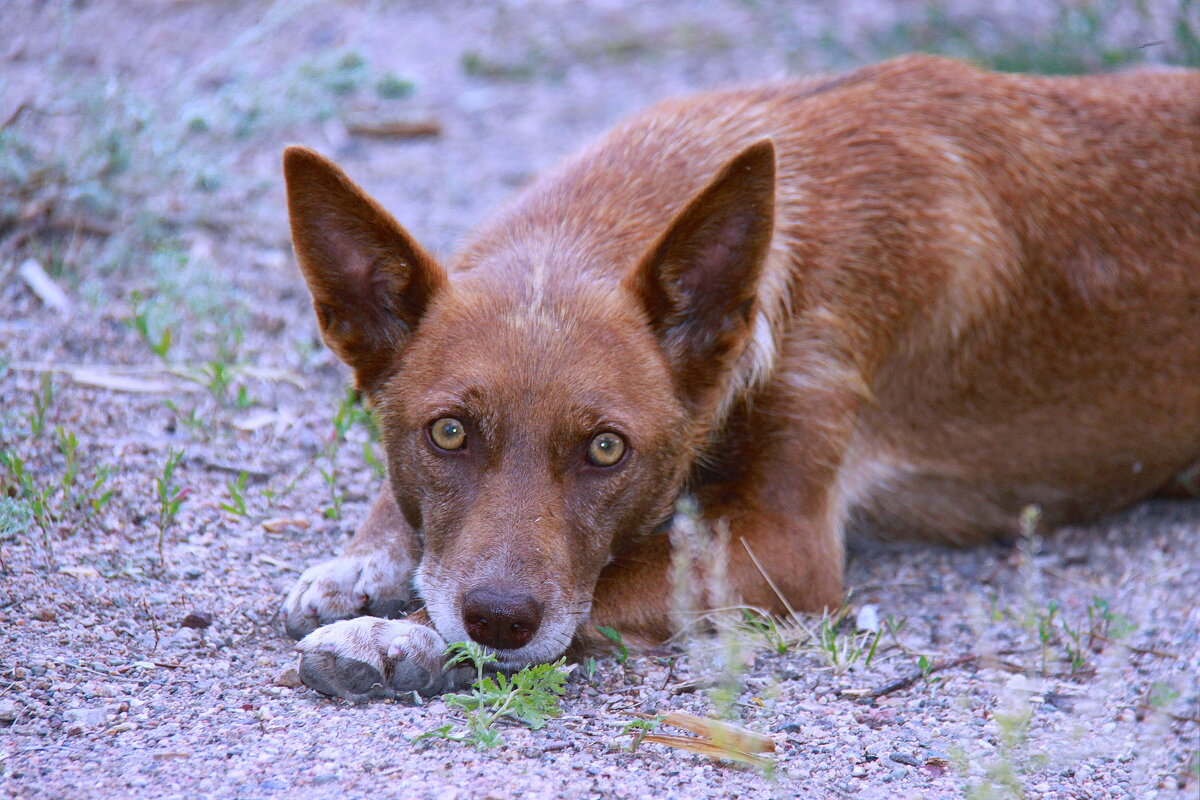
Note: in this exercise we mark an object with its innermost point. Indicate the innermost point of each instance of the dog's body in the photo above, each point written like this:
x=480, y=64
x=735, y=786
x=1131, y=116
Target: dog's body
x=921, y=296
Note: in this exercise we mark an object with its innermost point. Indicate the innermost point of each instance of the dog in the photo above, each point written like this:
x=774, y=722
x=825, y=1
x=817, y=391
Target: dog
x=918, y=297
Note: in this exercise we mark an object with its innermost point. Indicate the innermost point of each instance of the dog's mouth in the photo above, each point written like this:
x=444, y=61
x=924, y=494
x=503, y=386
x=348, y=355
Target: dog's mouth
x=512, y=626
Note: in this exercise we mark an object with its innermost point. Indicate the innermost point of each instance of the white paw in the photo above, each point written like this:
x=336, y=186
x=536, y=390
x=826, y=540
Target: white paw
x=370, y=658
x=344, y=587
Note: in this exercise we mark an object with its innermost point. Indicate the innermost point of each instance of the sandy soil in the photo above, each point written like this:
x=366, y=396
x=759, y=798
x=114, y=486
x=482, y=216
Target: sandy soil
x=1074, y=660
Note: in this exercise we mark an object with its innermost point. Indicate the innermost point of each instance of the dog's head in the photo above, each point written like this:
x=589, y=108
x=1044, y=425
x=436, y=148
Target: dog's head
x=537, y=415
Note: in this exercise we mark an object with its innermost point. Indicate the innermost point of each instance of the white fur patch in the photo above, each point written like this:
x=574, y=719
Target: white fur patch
x=862, y=476
x=340, y=587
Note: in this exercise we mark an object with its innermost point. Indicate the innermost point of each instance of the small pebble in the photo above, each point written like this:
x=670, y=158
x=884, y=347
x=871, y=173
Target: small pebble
x=86, y=717
x=198, y=620
x=288, y=678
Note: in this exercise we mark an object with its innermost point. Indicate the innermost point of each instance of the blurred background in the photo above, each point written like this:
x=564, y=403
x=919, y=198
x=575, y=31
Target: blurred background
x=139, y=139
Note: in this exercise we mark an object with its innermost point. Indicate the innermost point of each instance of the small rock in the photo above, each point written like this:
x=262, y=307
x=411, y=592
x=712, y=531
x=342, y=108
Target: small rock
x=198, y=620
x=9, y=711
x=289, y=678
x=86, y=717
x=904, y=758
x=45, y=615
x=321, y=780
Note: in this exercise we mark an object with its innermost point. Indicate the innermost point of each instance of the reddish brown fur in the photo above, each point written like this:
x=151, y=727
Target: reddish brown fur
x=979, y=291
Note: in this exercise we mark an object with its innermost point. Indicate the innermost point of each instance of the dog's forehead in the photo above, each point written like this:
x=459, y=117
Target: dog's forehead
x=569, y=351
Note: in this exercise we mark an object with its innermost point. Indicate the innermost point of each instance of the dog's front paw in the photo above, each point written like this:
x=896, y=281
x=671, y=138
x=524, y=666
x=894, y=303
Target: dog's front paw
x=370, y=658
x=344, y=587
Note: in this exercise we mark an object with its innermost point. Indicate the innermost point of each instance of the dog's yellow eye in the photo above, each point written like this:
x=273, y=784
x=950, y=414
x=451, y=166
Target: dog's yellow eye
x=448, y=433
x=606, y=449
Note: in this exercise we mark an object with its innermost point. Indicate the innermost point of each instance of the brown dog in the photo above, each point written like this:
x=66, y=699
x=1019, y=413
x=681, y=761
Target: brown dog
x=920, y=295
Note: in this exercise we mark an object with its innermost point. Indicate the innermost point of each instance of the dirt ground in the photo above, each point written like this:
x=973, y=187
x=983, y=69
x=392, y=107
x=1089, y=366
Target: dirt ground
x=151, y=315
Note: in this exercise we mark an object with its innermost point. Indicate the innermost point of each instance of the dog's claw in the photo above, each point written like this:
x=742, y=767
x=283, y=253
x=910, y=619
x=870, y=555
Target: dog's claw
x=346, y=587
x=370, y=659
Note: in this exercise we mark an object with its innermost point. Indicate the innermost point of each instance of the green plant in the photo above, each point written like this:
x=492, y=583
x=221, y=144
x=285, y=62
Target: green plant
x=391, y=87
x=639, y=728
x=237, y=496
x=58, y=502
x=160, y=343
x=15, y=519
x=840, y=644
x=42, y=399
x=614, y=636
x=349, y=415
x=1003, y=768
x=531, y=696
x=191, y=420
x=90, y=499
x=170, y=498
x=777, y=636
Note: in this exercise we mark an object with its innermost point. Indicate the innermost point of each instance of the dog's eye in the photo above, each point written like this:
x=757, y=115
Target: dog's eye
x=606, y=449
x=448, y=433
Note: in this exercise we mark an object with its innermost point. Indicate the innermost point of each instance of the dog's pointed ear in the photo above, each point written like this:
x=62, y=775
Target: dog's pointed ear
x=370, y=281
x=699, y=282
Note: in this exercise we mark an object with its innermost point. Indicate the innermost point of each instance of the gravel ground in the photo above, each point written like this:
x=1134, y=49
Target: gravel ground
x=1061, y=668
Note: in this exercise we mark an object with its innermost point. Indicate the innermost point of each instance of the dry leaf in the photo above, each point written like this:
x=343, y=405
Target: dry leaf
x=80, y=572
x=277, y=524
x=707, y=748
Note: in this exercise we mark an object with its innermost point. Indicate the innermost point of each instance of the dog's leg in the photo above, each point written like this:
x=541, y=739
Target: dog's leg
x=371, y=576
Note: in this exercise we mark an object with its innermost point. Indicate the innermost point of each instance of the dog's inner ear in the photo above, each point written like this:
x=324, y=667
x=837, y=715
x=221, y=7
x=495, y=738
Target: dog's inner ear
x=370, y=281
x=699, y=282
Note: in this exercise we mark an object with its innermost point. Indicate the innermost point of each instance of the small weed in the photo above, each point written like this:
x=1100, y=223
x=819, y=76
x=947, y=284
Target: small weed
x=336, y=498
x=777, y=636
x=218, y=374
x=160, y=343
x=42, y=400
x=237, y=496
x=1002, y=772
x=391, y=87
x=378, y=469
x=37, y=499
x=350, y=414
x=339, y=74
x=639, y=728
x=57, y=505
x=191, y=420
x=531, y=696
x=843, y=648
x=170, y=497
x=15, y=519
x=242, y=400
x=613, y=635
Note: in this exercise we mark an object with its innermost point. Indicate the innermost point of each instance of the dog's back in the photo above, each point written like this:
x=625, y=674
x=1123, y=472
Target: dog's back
x=995, y=269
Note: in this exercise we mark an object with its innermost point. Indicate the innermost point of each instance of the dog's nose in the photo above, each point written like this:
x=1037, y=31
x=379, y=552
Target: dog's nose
x=501, y=617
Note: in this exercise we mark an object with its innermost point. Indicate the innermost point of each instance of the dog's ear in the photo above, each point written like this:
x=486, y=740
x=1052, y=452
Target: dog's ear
x=699, y=282
x=370, y=282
